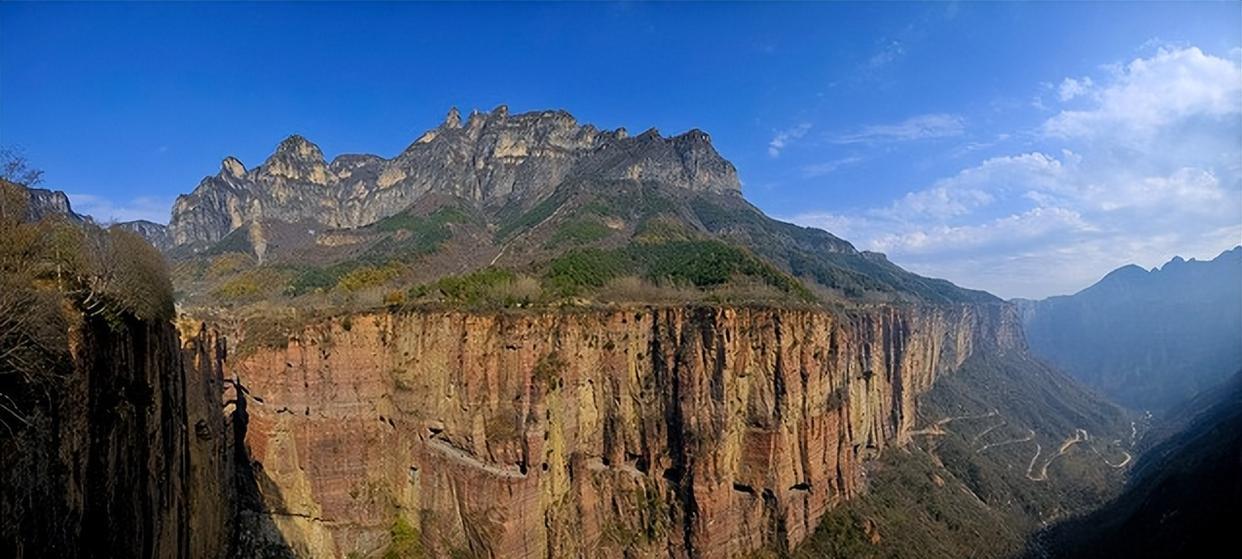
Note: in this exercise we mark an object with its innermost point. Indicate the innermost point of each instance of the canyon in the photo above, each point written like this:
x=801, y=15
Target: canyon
x=456, y=419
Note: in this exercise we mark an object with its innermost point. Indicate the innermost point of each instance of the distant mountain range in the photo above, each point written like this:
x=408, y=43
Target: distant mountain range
x=1149, y=339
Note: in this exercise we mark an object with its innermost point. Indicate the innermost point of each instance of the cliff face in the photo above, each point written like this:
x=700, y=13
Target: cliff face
x=492, y=159
x=42, y=203
x=119, y=453
x=154, y=233
x=665, y=431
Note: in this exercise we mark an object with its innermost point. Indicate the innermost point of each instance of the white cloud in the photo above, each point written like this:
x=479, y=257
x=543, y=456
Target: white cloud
x=828, y=167
x=1016, y=229
x=1071, y=88
x=105, y=210
x=785, y=137
x=888, y=53
x=914, y=128
x=1148, y=165
x=1149, y=95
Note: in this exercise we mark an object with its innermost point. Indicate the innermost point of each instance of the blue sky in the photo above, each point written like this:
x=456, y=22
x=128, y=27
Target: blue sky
x=1023, y=148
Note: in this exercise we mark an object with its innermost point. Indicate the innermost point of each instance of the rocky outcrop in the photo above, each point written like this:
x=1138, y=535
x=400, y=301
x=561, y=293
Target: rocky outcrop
x=491, y=158
x=121, y=453
x=42, y=203
x=709, y=432
x=154, y=233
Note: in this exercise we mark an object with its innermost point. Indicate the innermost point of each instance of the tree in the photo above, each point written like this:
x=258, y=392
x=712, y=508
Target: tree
x=15, y=168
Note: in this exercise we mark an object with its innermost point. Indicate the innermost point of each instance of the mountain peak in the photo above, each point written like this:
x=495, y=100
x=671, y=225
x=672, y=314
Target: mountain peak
x=492, y=158
x=232, y=167
x=299, y=147
x=1233, y=253
x=453, y=119
x=298, y=159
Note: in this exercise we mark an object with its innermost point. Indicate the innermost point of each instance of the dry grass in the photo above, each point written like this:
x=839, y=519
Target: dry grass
x=633, y=289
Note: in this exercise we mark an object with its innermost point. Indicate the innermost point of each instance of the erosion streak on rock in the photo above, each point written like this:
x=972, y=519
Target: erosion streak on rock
x=648, y=431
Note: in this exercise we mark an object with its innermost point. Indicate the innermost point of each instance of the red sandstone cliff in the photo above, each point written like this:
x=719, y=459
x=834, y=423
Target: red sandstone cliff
x=669, y=431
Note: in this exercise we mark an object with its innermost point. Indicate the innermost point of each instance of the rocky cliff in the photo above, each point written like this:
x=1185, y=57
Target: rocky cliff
x=154, y=233
x=122, y=453
x=492, y=158
x=41, y=203
x=678, y=431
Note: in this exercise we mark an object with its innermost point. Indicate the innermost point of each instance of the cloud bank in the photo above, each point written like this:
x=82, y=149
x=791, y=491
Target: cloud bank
x=105, y=210
x=1135, y=165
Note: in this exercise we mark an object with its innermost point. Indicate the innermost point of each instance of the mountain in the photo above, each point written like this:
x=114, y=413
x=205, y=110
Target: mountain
x=535, y=193
x=493, y=159
x=41, y=203
x=1147, y=339
x=1183, y=495
x=154, y=233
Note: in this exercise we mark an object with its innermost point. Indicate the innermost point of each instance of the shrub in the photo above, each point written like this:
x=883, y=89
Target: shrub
x=473, y=288
x=406, y=541
x=108, y=273
x=658, y=230
x=366, y=276
x=394, y=299
x=630, y=289
x=699, y=264
x=316, y=279
x=511, y=224
x=519, y=291
x=434, y=223
x=578, y=232
x=227, y=264
x=574, y=272
x=422, y=235
x=237, y=288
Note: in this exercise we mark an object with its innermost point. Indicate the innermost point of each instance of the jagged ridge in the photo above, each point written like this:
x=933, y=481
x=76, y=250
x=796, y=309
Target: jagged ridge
x=492, y=159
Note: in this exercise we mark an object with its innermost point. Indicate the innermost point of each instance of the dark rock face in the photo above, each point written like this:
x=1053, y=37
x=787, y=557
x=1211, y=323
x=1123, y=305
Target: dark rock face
x=491, y=158
x=1148, y=339
x=44, y=203
x=123, y=453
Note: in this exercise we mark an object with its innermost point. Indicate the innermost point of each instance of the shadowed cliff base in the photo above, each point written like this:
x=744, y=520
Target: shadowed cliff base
x=255, y=534
x=120, y=450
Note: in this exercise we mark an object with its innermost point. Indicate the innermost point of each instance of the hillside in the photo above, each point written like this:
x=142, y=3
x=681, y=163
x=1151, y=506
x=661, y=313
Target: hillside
x=605, y=217
x=1003, y=446
x=1184, y=493
x=1147, y=339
